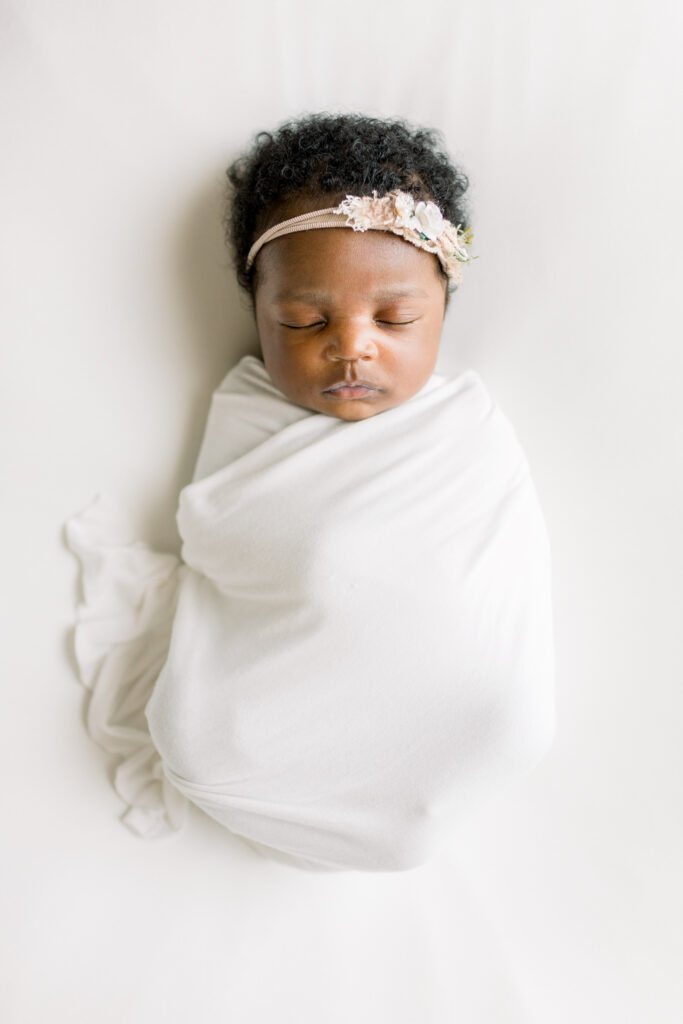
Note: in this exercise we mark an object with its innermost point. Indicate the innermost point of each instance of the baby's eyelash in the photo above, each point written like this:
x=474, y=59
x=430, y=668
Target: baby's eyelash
x=320, y=323
x=302, y=327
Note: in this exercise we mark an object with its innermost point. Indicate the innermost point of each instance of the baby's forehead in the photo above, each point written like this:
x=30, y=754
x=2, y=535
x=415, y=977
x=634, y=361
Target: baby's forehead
x=329, y=260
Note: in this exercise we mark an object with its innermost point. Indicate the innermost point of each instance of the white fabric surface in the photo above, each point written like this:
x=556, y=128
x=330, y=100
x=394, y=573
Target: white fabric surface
x=121, y=643
x=120, y=317
x=359, y=636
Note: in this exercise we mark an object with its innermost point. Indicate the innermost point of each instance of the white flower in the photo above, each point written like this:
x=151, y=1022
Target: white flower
x=404, y=204
x=429, y=219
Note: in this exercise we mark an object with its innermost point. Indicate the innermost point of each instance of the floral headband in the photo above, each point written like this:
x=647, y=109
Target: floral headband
x=421, y=223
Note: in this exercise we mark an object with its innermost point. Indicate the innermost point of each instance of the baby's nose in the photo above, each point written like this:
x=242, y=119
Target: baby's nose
x=352, y=338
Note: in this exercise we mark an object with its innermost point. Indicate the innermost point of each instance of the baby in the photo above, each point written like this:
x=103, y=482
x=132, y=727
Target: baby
x=349, y=321
x=354, y=651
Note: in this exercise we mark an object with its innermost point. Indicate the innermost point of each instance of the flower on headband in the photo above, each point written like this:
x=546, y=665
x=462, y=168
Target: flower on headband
x=430, y=220
x=404, y=205
x=421, y=223
x=358, y=212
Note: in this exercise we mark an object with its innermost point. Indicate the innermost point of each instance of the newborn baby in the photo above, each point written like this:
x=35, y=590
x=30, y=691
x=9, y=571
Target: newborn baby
x=359, y=645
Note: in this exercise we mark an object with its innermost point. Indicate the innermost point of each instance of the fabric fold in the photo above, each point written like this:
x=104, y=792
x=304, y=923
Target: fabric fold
x=354, y=651
x=121, y=639
x=362, y=653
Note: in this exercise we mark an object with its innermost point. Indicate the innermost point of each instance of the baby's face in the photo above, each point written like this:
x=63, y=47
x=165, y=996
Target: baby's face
x=334, y=303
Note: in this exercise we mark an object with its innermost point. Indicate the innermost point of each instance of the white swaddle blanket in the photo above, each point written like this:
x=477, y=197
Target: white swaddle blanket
x=356, y=650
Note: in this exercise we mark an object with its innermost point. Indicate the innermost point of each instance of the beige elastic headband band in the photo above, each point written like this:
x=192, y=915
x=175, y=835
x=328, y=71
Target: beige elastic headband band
x=304, y=222
x=420, y=223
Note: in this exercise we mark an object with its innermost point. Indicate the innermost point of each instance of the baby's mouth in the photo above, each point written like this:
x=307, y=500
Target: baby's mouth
x=353, y=390
x=351, y=387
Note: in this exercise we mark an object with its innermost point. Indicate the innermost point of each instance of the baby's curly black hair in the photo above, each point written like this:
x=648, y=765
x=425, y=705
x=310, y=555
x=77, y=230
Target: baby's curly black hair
x=328, y=156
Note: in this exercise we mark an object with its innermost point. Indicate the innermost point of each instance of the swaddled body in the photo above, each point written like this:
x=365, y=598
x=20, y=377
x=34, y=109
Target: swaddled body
x=362, y=648
x=356, y=649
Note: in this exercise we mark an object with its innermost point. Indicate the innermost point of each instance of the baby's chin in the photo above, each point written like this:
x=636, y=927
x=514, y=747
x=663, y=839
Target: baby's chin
x=353, y=416
x=349, y=409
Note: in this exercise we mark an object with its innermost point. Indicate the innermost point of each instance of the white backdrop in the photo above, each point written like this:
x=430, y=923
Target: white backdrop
x=563, y=902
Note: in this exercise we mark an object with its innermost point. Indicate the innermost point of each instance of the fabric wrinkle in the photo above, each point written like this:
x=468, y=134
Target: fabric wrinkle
x=342, y=666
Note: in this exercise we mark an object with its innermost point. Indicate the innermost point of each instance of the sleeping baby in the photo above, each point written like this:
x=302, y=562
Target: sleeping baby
x=354, y=651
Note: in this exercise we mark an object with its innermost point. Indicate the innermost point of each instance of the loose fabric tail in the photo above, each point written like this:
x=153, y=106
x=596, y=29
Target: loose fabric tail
x=121, y=641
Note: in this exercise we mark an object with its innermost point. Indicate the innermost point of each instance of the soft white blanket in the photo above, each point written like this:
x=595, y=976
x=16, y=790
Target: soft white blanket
x=356, y=650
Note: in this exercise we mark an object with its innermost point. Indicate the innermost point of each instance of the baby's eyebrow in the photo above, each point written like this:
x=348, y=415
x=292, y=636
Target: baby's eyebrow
x=381, y=295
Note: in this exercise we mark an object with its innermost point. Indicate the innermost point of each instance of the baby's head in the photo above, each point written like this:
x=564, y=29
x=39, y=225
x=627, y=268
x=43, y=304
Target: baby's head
x=335, y=304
